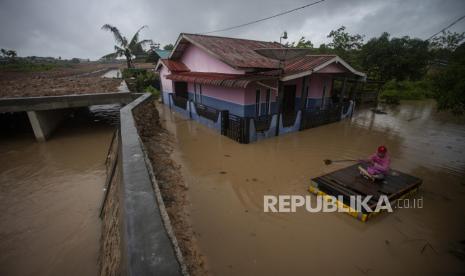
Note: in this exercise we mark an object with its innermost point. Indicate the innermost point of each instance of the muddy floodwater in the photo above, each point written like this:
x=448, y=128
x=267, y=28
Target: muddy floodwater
x=49, y=197
x=227, y=182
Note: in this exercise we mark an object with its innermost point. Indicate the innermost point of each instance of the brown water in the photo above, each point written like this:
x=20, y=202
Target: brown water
x=49, y=199
x=238, y=238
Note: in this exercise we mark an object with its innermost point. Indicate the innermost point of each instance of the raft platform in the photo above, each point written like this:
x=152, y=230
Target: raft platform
x=348, y=182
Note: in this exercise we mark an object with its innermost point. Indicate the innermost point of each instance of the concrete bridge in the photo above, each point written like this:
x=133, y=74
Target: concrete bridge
x=47, y=112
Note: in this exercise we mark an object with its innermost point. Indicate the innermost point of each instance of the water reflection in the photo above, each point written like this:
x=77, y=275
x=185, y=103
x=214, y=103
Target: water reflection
x=113, y=74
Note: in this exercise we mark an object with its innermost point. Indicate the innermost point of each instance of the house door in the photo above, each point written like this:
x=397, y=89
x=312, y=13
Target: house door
x=289, y=99
x=180, y=89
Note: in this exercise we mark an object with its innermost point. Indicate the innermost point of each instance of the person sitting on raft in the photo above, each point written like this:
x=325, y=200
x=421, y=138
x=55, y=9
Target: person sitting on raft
x=379, y=164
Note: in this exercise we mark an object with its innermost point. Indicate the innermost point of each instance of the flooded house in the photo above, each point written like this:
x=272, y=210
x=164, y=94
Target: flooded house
x=226, y=84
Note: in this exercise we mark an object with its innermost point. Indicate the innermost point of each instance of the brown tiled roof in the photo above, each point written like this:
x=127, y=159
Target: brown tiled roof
x=228, y=80
x=175, y=66
x=236, y=52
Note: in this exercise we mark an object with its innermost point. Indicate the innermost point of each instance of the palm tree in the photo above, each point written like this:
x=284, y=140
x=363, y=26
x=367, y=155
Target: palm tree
x=123, y=47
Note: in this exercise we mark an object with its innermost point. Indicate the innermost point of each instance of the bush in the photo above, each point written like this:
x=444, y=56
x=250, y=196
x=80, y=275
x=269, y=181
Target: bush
x=139, y=79
x=133, y=72
x=390, y=96
x=449, y=83
x=153, y=91
x=394, y=91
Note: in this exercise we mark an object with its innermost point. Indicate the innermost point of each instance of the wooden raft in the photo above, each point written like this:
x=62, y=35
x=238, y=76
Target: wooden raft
x=348, y=182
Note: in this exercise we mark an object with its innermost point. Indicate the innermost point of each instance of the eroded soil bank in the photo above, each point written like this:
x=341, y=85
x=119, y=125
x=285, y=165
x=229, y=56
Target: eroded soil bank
x=226, y=182
x=159, y=145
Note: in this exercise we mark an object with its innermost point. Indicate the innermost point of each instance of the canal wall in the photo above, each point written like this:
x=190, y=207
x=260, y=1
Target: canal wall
x=137, y=237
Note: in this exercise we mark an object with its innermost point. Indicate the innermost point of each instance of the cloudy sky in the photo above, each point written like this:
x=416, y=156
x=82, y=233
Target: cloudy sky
x=71, y=28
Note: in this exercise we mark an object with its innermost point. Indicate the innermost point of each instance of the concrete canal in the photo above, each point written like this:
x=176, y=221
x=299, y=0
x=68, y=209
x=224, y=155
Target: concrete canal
x=227, y=182
x=50, y=195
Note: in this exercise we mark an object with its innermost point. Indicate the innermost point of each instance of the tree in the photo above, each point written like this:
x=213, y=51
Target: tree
x=402, y=58
x=168, y=47
x=345, y=45
x=302, y=43
x=449, y=83
x=444, y=45
x=447, y=40
x=124, y=47
x=343, y=41
x=10, y=54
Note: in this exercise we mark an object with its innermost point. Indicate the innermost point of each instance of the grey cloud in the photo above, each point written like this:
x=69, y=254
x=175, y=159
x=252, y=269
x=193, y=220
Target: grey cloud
x=72, y=28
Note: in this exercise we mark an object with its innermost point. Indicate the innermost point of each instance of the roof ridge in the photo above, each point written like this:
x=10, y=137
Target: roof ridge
x=227, y=37
x=322, y=55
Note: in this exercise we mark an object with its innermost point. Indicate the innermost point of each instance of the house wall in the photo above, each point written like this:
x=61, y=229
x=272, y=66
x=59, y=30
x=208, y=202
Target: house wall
x=315, y=93
x=223, y=98
x=314, y=97
x=166, y=84
x=333, y=68
x=197, y=60
x=250, y=98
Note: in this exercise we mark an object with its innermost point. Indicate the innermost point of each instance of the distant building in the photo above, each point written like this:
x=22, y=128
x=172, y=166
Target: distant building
x=163, y=53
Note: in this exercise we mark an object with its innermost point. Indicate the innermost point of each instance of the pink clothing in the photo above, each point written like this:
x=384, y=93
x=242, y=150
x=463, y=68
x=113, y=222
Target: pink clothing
x=380, y=165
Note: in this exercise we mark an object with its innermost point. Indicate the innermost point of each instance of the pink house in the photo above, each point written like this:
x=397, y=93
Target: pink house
x=208, y=73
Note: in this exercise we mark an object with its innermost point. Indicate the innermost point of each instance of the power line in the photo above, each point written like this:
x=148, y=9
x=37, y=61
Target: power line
x=263, y=19
x=450, y=25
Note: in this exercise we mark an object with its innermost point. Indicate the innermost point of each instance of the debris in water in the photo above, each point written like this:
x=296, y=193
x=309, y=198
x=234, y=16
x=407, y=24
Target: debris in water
x=227, y=155
x=378, y=111
x=411, y=119
x=223, y=172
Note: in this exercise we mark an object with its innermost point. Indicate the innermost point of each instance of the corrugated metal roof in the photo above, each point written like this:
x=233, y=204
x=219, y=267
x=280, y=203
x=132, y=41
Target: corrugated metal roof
x=236, y=52
x=163, y=53
x=227, y=80
x=306, y=63
x=240, y=53
x=175, y=66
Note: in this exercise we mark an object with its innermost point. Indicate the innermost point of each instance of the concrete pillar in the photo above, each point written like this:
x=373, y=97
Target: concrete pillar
x=44, y=122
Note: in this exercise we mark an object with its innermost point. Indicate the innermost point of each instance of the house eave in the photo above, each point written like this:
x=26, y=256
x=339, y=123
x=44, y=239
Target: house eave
x=159, y=63
x=336, y=60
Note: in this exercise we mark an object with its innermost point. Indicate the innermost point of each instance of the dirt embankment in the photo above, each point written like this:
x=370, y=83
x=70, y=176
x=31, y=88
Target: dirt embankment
x=159, y=144
x=77, y=79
